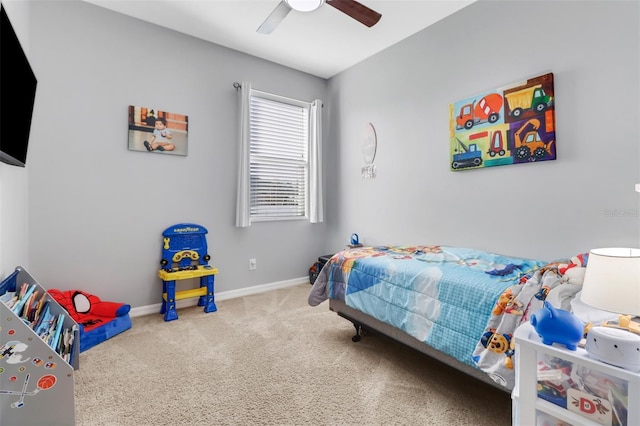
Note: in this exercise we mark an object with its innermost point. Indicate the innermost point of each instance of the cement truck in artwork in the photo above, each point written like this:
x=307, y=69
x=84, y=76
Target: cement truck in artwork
x=486, y=110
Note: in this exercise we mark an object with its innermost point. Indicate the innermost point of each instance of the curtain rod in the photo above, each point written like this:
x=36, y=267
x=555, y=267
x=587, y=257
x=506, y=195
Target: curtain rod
x=237, y=86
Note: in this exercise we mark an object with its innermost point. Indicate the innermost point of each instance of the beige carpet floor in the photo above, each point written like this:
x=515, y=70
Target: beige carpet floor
x=271, y=359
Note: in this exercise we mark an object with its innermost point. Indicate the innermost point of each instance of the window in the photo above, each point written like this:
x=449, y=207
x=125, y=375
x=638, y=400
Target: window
x=278, y=157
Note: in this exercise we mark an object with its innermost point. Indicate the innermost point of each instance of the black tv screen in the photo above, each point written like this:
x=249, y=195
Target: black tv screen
x=17, y=95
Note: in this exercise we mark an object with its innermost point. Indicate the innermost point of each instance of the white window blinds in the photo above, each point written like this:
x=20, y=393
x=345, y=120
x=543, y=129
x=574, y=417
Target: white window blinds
x=278, y=162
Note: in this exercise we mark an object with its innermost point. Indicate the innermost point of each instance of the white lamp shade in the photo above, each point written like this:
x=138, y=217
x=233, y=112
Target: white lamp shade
x=612, y=280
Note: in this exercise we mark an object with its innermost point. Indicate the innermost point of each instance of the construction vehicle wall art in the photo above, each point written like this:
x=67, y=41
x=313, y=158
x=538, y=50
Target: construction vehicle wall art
x=511, y=125
x=487, y=109
x=466, y=156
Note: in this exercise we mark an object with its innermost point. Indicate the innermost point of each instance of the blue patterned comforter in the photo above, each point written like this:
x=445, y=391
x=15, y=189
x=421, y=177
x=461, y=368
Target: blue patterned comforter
x=441, y=295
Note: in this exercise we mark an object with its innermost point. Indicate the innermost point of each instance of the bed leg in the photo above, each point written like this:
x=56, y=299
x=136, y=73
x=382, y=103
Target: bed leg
x=357, y=337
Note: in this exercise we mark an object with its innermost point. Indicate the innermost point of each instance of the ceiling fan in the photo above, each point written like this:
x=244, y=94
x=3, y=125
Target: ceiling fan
x=352, y=8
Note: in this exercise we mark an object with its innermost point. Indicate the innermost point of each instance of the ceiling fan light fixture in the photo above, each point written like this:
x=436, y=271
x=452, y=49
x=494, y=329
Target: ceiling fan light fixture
x=304, y=5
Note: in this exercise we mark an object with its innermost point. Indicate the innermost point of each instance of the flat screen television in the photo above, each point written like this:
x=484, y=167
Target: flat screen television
x=17, y=95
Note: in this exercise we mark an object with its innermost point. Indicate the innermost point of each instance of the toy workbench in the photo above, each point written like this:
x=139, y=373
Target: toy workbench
x=185, y=256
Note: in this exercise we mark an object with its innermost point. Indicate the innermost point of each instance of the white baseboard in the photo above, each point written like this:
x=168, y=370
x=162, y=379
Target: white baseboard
x=231, y=294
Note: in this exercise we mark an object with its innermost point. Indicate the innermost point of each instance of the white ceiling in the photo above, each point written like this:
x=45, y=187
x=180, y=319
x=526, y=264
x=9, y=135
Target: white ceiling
x=322, y=43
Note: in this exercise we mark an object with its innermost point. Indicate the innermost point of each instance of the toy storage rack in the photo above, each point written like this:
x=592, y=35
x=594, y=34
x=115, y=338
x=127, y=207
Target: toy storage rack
x=528, y=408
x=37, y=388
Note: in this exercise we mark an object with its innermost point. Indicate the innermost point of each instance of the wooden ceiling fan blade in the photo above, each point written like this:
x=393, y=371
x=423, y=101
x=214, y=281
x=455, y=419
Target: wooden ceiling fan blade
x=274, y=18
x=357, y=11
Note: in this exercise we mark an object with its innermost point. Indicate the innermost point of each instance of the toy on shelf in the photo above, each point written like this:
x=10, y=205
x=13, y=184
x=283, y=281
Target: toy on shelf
x=185, y=256
x=98, y=320
x=557, y=326
x=625, y=322
x=615, y=346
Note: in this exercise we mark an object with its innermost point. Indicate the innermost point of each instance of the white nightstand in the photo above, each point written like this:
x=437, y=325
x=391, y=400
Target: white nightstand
x=580, y=389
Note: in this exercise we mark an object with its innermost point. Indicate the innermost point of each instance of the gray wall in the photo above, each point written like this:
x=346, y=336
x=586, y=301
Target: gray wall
x=545, y=210
x=14, y=181
x=97, y=210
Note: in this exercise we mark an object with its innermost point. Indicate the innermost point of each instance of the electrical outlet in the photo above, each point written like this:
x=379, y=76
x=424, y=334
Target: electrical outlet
x=252, y=264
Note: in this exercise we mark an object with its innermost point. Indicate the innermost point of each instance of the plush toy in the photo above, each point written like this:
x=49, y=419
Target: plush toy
x=574, y=275
x=574, y=271
x=98, y=320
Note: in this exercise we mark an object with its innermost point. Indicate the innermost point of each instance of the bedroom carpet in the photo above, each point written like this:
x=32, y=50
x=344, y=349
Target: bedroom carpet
x=271, y=359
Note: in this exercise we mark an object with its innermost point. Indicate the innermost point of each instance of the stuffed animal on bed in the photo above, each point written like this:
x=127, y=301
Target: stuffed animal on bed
x=98, y=320
x=573, y=272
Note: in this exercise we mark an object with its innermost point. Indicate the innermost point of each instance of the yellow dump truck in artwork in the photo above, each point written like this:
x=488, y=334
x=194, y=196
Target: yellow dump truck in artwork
x=532, y=97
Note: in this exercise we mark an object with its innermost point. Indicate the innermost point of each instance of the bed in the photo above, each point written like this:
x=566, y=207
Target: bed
x=458, y=305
